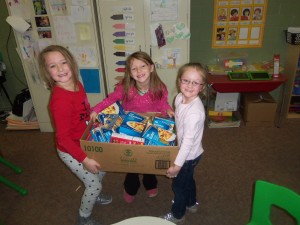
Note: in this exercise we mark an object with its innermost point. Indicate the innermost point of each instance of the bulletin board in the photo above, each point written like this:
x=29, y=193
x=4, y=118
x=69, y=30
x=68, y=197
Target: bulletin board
x=239, y=24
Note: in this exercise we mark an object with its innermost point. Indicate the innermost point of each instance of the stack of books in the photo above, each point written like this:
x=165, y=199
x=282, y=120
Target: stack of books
x=223, y=119
x=18, y=123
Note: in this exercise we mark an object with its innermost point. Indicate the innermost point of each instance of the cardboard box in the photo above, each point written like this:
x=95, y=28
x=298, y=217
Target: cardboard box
x=129, y=158
x=258, y=109
x=226, y=102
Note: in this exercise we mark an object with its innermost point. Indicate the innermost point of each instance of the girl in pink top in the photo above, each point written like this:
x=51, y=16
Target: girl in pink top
x=141, y=90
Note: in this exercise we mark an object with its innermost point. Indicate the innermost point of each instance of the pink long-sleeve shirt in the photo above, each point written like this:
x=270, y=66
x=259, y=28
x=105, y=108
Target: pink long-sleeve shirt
x=136, y=102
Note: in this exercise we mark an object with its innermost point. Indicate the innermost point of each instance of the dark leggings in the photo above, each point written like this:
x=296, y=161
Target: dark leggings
x=132, y=182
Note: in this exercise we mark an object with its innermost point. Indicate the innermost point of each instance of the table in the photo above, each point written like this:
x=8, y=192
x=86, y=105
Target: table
x=222, y=84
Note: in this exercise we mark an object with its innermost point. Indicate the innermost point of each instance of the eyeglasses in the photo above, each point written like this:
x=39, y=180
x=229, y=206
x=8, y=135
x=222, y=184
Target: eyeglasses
x=187, y=82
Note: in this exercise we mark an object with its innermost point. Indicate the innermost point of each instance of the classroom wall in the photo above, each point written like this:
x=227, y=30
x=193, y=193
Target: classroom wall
x=280, y=15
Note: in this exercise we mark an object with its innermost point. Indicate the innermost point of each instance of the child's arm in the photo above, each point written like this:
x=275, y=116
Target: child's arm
x=111, y=98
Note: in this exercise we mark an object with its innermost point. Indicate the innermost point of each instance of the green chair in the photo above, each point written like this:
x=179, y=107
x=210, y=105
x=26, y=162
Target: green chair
x=16, y=169
x=267, y=195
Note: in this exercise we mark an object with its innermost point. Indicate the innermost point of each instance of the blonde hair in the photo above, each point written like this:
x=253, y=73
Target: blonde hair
x=50, y=83
x=156, y=85
x=199, y=68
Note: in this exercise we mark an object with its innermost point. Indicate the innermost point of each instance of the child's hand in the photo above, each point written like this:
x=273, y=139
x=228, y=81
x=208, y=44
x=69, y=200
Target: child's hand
x=170, y=113
x=173, y=171
x=91, y=165
x=93, y=116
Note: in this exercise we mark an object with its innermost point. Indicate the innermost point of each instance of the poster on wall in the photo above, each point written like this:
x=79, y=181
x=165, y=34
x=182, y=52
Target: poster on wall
x=239, y=24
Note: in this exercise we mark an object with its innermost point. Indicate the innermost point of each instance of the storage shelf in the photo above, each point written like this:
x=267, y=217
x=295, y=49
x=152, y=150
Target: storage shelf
x=292, y=115
x=223, y=84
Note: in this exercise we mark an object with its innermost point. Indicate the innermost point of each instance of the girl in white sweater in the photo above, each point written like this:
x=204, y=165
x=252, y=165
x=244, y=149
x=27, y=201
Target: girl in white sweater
x=190, y=119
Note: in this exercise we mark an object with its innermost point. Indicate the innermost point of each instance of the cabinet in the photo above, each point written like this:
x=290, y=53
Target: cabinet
x=64, y=23
x=292, y=71
x=127, y=26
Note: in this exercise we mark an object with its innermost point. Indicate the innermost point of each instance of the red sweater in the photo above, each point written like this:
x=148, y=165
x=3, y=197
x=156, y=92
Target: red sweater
x=70, y=111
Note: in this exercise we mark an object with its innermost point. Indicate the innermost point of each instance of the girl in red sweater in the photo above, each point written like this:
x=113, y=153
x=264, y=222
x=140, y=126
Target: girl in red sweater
x=70, y=109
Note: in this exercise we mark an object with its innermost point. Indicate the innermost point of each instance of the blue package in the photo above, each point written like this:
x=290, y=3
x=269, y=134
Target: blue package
x=133, y=124
x=158, y=136
x=101, y=134
x=114, y=109
x=164, y=123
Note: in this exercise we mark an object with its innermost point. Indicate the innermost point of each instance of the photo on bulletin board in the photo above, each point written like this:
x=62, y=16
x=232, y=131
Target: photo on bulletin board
x=39, y=7
x=239, y=24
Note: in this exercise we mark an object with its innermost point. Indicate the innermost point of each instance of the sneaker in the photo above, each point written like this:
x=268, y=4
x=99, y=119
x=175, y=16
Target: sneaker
x=127, y=197
x=193, y=208
x=152, y=192
x=171, y=218
x=86, y=221
x=103, y=199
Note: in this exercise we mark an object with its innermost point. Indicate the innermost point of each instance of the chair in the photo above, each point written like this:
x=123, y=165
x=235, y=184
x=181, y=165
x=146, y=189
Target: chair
x=16, y=169
x=144, y=220
x=266, y=195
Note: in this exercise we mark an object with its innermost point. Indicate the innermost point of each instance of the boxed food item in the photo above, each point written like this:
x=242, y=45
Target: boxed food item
x=101, y=134
x=126, y=139
x=114, y=109
x=258, y=109
x=133, y=124
x=128, y=158
x=164, y=123
x=158, y=136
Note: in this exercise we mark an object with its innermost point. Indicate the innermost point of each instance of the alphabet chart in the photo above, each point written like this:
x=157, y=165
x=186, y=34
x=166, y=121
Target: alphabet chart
x=239, y=23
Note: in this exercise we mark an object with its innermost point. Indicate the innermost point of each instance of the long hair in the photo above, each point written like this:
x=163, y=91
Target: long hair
x=50, y=83
x=156, y=85
x=200, y=69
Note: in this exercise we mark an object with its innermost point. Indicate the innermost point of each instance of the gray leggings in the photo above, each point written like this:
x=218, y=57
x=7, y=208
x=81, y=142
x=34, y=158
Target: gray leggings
x=92, y=183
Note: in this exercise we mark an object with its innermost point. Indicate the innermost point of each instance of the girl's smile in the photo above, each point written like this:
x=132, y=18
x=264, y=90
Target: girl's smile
x=59, y=69
x=140, y=72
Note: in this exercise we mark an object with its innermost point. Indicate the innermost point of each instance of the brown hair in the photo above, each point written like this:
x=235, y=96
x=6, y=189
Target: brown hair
x=69, y=58
x=156, y=84
x=199, y=68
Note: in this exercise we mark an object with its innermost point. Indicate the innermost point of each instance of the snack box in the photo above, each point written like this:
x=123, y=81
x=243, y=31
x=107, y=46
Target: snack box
x=133, y=124
x=114, y=109
x=126, y=139
x=127, y=158
x=101, y=134
x=164, y=123
x=112, y=122
x=158, y=136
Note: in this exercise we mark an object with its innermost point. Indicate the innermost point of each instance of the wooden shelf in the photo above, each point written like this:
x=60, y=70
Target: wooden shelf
x=291, y=115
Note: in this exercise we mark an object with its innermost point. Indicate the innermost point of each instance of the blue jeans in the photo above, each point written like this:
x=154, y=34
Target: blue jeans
x=184, y=188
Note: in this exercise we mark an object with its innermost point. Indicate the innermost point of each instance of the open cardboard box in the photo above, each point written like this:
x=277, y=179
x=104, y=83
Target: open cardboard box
x=125, y=158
